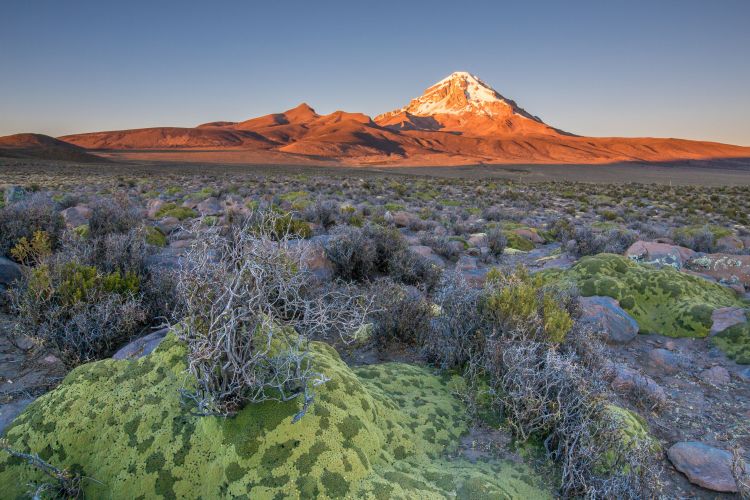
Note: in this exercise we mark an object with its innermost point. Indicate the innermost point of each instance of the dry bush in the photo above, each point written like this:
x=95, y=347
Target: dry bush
x=456, y=330
x=551, y=395
x=325, y=213
x=110, y=216
x=351, y=252
x=589, y=242
x=401, y=314
x=250, y=307
x=496, y=241
x=740, y=473
x=25, y=217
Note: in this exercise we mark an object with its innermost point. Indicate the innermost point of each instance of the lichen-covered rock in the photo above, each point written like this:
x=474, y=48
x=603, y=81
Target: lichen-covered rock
x=659, y=254
x=735, y=341
x=377, y=431
x=663, y=301
x=726, y=268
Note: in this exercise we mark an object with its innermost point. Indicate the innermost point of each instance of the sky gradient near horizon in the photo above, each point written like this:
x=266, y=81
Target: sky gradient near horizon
x=661, y=68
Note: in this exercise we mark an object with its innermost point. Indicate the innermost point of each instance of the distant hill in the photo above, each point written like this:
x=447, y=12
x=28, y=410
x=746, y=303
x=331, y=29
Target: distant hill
x=43, y=147
x=459, y=120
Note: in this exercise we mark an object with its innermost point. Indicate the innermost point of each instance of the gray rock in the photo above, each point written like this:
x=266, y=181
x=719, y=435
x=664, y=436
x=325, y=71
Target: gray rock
x=666, y=361
x=717, y=375
x=606, y=315
x=726, y=317
x=9, y=271
x=141, y=346
x=76, y=216
x=744, y=374
x=477, y=240
x=209, y=206
x=9, y=411
x=466, y=263
x=704, y=465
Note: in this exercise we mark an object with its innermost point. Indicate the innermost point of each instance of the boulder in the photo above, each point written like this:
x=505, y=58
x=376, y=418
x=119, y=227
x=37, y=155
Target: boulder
x=316, y=259
x=466, y=263
x=666, y=361
x=659, y=254
x=726, y=317
x=477, y=240
x=704, y=465
x=403, y=219
x=153, y=208
x=209, y=206
x=141, y=346
x=168, y=224
x=428, y=253
x=529, y=234
x=716, y=375
x=728, y=269
x=730, y=243
x=9, y=411
x=606, y=315
x=76, y=216
x=628, y=380
x=9, y=271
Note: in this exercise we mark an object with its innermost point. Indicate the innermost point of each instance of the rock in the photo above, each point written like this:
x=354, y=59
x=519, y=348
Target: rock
x=477, y=240
x=530, y=235
x=141, y=346
x=704, y=465
x=9, y=411
x=666, y=361
x=744, y=374
x=659, y=254
x=9, y=271
x=628, y=380
x=168, y=224
x=466, y=263
x=717, y=375
x=76, y=216
x=403, y=219
x=209, y=206
x=605, y=314
x=428, y=253
x=153, y=208
x=316, y=259
x=726, y=317
x=728, y=269
x=14, y=194
x=730, y=242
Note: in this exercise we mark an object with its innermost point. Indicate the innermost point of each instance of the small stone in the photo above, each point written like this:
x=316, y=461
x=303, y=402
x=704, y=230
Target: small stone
x=665, y=360
x=704, y=465
x=141, y=346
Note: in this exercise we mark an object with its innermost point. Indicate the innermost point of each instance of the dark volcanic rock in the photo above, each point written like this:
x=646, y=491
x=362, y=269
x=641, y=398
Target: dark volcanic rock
x=704, y=465
x=606, y=315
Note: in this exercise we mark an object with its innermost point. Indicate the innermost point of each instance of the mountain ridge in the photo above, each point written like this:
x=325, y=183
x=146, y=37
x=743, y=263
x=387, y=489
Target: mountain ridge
x=458, y=120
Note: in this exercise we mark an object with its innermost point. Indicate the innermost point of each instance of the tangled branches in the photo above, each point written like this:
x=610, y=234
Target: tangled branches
x=66, y=484
x=250, y=306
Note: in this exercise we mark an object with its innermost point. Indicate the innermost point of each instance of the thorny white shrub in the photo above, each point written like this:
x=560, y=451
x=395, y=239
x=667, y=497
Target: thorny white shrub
x=250, y=307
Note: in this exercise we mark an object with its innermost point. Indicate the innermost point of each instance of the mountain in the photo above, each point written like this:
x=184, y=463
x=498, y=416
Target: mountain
x=43, y=147
x=464, y=104
x=459, y=120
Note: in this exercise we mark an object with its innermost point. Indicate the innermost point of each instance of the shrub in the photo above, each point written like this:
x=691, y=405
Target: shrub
x=155, y=237
x=34, y=251
x=110, y=217
x=27, y=216
x=496, y=241
x=351, y=252
x=401, y=314
x=457, y=329
x=324, y=213
x=700, y=239
x=519, y=302
x=250, y=307
x=172, y=210
x=588, y=242
x=80, y=310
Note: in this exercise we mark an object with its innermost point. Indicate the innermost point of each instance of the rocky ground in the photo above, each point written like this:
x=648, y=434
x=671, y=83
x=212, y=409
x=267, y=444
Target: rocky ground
x=693, y=388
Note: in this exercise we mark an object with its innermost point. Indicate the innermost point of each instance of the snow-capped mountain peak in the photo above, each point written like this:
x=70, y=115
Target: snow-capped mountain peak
x=463, y=102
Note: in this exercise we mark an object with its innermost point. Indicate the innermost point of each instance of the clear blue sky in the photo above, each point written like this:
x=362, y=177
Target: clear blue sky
x=669, y=68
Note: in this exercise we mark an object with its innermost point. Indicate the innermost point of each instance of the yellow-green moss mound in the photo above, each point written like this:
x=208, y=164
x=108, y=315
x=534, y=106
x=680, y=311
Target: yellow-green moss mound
x=663, y=301
x=374, y=432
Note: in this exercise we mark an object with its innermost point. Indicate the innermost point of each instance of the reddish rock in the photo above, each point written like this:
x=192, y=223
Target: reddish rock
x=659, y=254
x=726, y=268
x=704, y=465
x=666, y=361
